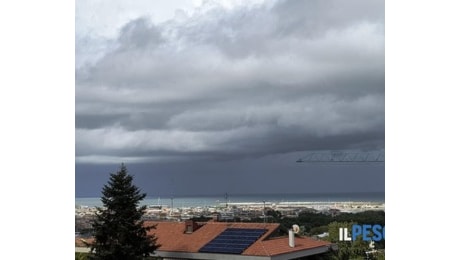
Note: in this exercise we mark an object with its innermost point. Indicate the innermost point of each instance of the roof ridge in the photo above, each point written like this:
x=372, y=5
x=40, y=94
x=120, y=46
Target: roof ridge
x=263, y=247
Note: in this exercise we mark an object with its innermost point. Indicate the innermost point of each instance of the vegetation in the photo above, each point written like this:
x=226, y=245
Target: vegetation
x=118, y=229
x=314, y=223
x=81, y=256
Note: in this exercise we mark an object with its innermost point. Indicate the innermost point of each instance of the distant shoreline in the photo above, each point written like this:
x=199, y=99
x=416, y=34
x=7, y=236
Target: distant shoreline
x=201, y=201
x=306, y=194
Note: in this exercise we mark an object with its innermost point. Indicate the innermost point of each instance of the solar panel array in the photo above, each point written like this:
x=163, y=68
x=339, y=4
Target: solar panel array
x=233, y=240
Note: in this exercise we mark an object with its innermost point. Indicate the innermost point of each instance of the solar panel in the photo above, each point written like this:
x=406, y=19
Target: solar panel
x=233, y=240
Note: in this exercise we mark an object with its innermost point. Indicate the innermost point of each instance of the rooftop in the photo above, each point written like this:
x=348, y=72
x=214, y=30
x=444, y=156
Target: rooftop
x=172, y=237
x=175, y=241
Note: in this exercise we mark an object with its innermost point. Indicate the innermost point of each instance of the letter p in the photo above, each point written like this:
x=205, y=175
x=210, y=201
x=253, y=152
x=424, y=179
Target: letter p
x=356, y=230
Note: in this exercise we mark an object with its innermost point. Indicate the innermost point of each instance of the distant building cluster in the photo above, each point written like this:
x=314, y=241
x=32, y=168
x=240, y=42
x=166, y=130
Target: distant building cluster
x=241, y=212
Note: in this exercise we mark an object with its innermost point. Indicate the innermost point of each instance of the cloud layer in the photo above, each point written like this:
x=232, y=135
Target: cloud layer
x=238, y=82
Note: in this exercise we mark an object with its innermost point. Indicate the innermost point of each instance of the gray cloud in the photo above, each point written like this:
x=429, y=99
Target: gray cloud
x=231, y=83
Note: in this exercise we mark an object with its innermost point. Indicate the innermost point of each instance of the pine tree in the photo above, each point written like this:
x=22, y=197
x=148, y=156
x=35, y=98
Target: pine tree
x=118, y=229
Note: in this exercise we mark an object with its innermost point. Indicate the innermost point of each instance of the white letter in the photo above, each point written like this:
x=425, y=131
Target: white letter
x=346, y=237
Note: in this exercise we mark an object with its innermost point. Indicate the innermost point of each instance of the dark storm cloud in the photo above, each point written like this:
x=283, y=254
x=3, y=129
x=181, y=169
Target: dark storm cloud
x=242, y=82
x=139, y=34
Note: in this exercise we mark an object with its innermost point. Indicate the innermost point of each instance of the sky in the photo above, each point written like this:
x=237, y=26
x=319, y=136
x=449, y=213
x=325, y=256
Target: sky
x=209, y=97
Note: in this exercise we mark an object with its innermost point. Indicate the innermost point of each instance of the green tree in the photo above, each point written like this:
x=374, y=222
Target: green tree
x=275, y=214
x=347, y=249
x=119, y=230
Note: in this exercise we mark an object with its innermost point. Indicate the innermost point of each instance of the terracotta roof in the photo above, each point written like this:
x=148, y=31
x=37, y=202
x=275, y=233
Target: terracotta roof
x=80, y=242
x=172, y=237
x=277, y=246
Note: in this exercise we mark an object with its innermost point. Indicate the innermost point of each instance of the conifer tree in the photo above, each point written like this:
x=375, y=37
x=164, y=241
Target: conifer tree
x=119, y=230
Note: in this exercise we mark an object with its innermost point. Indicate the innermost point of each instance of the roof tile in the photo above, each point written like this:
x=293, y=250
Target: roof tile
x=172, y=237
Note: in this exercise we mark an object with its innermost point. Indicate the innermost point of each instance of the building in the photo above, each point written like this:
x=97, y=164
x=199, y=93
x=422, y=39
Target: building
x=230, y=240
x=226, y=240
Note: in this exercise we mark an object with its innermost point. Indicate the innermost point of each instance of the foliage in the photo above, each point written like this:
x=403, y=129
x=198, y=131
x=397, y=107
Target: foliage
x=319, y=230
x=118, y=229
x=365, y=217
x=275, y=214
x=347, y=249
x=201, y=219
x=81, y=256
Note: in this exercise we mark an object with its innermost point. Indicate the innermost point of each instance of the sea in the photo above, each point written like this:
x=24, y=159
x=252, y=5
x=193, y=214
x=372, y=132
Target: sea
x=216, y=200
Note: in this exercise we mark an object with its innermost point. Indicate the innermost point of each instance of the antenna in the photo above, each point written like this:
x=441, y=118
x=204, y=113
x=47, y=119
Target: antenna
x=172, y=193
x=296, y=228
x=371, y=244
x=265, y=217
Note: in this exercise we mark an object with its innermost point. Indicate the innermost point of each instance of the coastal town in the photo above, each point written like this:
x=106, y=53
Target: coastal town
x=233, y=211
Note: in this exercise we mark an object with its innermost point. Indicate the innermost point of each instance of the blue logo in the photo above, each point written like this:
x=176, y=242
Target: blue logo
x=368, y=232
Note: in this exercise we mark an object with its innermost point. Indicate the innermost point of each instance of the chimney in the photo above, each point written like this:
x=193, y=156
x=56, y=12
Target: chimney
x=216, y=217
x=291, y=238
x=190, y=226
